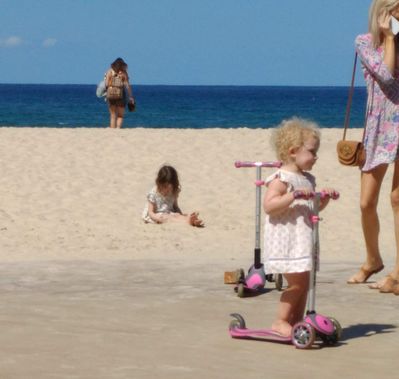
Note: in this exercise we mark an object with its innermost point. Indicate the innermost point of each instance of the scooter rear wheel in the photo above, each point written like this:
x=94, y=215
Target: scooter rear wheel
x=303, y=335
x=240, y=275
x=279, y=282
x=238, y=322
x=240, y=290
x=234, y=324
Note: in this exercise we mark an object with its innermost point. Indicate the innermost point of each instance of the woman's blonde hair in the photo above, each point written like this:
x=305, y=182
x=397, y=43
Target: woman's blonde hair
x=292, y=133
x=376, y=8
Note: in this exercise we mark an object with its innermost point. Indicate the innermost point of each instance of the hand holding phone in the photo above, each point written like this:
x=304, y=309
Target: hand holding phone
x=394, y=25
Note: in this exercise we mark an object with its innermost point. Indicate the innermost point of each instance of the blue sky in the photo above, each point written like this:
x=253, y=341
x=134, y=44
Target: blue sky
x=226, y=42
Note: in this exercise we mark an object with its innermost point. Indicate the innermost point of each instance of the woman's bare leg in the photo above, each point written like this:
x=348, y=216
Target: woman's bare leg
x=387, y=283
x=112, y=116
x=120, y=111
x=370, y=185
x=395, y=209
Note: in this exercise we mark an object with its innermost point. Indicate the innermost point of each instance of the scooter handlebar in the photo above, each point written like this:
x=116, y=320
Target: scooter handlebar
x=240, y=164
x=310, y=195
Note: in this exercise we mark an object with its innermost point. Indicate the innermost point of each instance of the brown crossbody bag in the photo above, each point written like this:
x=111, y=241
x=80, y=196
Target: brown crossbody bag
x=351, y=153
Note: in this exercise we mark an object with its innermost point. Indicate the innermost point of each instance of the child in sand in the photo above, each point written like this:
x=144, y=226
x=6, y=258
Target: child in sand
x=288, y=230
x=162, y=203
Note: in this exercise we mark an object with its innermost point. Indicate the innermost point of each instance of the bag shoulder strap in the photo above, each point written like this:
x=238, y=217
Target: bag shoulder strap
x=350, y=96
x=349, y=103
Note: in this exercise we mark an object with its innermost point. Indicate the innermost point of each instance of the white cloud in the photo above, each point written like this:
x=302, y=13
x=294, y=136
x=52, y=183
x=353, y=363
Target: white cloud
x=11, y=41
x=49, y=42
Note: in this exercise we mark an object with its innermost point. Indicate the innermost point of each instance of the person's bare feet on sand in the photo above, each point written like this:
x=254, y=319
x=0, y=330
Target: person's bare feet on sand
x=195, y=221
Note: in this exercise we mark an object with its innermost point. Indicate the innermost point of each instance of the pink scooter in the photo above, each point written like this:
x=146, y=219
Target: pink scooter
x=314, y=325
x=254, y=282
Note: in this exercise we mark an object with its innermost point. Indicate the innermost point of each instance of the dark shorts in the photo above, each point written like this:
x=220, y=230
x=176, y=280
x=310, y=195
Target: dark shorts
x=118, y=103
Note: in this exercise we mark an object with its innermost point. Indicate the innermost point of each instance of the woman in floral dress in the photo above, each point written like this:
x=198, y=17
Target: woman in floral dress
x=379, y=53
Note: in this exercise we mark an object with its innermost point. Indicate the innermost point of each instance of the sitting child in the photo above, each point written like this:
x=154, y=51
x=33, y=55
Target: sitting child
x=162, y=200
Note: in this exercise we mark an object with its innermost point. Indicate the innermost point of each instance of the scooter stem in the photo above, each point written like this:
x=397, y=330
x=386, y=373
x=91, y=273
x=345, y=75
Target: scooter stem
x=311, y=306
x=258, y=189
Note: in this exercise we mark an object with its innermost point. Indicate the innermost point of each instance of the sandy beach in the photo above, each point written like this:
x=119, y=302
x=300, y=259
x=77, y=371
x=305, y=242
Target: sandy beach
x=90, y=291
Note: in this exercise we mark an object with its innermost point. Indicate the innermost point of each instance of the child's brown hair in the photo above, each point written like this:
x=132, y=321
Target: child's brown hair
x=168, y=175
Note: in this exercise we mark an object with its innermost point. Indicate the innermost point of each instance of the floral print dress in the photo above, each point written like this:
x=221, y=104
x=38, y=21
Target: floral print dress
x=288, y=237
x=381, y=139
x=163, y=204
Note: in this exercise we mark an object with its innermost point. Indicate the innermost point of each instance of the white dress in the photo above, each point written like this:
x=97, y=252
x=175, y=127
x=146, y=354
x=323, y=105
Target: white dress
x=288, y=235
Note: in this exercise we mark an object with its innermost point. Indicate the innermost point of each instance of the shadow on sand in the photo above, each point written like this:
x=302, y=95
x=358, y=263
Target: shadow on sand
x=365, y=330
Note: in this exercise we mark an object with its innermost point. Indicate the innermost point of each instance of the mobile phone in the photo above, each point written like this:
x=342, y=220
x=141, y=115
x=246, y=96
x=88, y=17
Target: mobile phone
x=394, y=25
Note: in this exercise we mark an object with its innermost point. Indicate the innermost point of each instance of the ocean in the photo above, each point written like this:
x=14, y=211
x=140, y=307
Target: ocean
x=167, y=106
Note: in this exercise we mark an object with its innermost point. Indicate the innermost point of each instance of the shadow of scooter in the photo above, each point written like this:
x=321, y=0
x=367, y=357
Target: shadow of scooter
x=365, y=330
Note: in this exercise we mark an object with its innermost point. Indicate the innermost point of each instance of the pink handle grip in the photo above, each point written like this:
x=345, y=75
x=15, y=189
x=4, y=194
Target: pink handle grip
x=301, y=195
x=333, y=196
x=239, y=164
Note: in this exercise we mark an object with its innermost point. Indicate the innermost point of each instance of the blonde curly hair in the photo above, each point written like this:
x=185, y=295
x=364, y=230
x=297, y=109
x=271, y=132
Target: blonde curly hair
x=292, y=133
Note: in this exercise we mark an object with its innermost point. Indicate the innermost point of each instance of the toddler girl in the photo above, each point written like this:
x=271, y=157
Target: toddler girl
x=162, y=200
x=288, y=229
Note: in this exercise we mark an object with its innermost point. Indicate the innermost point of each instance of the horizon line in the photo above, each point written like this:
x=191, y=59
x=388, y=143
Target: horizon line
x=197, y=85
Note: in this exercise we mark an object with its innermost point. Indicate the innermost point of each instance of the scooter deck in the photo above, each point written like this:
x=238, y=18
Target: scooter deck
x=258, y=334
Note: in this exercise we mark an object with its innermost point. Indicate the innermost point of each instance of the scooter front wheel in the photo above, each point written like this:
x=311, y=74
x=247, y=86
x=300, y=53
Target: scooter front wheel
x=303, y=335
x=336, y=336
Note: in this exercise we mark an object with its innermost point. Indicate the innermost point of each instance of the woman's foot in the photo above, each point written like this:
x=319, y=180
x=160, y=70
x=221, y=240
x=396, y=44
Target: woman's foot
x=364, y=274
x=389, y=286
x=384, y=285
x=282, y=327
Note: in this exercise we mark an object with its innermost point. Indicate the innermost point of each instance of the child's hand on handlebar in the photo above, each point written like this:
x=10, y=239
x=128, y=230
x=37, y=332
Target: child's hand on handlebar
x=303, y=193
x=325, y=195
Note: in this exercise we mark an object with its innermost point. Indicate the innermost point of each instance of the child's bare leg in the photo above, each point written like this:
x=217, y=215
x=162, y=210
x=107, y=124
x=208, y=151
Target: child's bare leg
x=298, y=313
x=191, y=219
x=176, y=217
x=162, y=218
x=292, y=303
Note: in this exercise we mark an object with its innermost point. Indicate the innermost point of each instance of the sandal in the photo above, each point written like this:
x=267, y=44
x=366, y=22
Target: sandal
x=366, y=274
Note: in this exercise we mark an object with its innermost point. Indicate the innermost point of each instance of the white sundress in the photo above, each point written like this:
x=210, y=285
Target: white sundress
x=288, y=235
